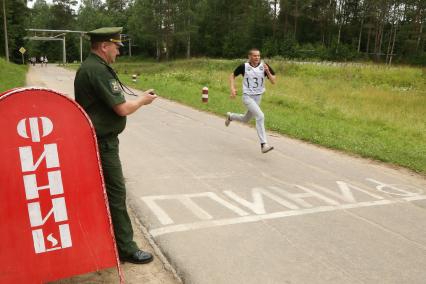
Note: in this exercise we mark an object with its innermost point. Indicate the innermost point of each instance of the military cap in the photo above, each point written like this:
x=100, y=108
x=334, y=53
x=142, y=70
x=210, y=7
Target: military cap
x=111, y=34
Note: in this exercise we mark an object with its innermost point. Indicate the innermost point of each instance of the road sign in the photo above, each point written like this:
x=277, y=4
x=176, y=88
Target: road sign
x=22, y=50
x=55, y=218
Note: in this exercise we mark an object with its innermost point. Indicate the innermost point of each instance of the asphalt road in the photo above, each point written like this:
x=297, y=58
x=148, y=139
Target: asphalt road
x=222, y=212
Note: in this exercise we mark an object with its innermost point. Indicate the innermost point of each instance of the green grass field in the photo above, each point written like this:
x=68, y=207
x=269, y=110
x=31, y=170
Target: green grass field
x=370, y=110
x=11, y=75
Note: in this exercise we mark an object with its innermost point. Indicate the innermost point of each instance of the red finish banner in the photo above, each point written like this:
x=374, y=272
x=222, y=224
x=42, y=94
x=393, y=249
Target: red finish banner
x=54, y=218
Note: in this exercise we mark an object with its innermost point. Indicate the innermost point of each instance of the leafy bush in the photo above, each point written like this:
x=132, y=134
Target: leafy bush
x=341, y=52
x=285, y=47
x=289, y=48
x=417, y=59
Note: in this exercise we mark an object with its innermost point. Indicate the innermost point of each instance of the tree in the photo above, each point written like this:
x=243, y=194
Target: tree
x=185, y=23
x=293, y=28
x=93, y=15
x=16, y=21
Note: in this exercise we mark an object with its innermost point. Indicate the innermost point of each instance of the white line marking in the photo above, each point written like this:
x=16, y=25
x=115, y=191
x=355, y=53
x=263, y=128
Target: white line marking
x=414, y=198
x=255, y=218
x=394, y=189
x=186, y=200
x=299, y=197
x=258, y=206
x=164, y=218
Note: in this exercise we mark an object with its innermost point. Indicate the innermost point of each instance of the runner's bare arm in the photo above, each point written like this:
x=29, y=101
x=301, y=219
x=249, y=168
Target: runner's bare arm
x=232, y=84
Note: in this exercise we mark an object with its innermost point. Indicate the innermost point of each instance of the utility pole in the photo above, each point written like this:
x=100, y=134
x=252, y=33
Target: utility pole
x=81, y=48
x=6, y=45
x=64, y=51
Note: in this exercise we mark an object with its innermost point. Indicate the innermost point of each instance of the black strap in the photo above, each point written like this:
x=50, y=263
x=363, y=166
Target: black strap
x=124, y=88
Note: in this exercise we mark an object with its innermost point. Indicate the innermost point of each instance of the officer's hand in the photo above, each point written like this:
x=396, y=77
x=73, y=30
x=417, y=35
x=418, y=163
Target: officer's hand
x=149, y=96
x=150, y=92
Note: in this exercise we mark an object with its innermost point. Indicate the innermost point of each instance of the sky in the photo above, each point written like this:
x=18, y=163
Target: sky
x=30, y=3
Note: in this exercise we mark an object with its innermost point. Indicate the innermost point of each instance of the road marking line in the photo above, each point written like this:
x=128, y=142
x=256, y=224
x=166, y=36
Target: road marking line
x=255, y=218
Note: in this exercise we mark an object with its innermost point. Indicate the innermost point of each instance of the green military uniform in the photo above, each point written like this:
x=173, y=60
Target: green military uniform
x=98, y=91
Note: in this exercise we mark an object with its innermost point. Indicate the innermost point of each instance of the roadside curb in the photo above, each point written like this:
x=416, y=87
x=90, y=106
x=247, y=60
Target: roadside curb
x=166, y=264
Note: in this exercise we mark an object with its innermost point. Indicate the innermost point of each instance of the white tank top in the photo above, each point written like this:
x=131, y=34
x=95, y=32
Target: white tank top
x=254, y=79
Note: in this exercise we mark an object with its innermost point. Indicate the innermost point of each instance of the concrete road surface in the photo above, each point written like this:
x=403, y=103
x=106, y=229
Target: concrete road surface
x=222, y=212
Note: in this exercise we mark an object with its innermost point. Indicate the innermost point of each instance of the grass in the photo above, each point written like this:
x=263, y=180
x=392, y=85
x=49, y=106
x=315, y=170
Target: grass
x=373, y=111
x=11, y=75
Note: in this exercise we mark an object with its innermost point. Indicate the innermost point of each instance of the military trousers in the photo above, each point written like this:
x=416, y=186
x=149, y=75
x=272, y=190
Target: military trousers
x=116, y=191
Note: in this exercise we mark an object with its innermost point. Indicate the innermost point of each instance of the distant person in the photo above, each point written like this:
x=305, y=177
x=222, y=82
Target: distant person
x=254, y=73
x=99, y=91
x=45, y=61
x=41, y=61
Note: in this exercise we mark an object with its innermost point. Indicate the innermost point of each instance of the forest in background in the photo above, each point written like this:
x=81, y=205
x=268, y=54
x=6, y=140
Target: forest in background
x=336, y=30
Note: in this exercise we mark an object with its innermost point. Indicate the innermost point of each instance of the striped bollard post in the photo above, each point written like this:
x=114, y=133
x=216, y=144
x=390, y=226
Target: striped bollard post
x=205, y=95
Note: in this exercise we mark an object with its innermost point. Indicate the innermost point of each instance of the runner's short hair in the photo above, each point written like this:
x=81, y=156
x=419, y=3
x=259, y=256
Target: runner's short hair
x=252, y=50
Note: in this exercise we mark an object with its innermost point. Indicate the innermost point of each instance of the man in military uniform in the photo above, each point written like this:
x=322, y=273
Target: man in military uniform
x=99, y=91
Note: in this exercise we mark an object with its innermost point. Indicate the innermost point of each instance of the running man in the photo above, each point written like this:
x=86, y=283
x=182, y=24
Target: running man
x=254, y=73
